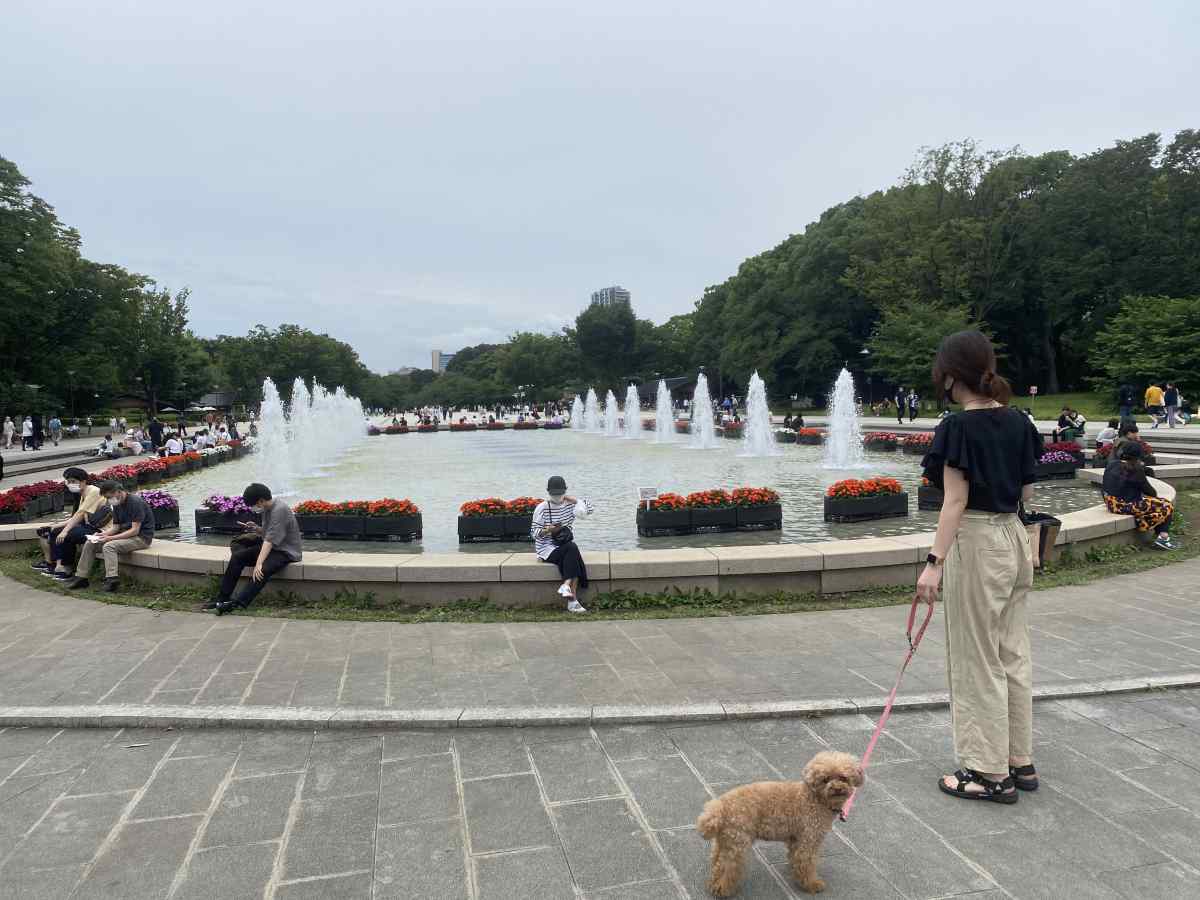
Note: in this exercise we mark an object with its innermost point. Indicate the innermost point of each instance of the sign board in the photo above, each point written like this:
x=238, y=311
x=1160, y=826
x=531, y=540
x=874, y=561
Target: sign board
x=646, y=494
x=1033, y=391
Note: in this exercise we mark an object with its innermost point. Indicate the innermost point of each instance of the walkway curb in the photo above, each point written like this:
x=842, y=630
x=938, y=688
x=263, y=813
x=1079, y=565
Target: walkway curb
x=319, y=718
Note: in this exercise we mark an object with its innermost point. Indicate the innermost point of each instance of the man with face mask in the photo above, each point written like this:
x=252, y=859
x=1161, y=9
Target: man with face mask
x=267, y=548
x=60, y=542
x=132, y=528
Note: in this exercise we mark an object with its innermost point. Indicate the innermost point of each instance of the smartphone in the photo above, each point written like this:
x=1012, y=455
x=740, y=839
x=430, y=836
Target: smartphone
x=246, y=525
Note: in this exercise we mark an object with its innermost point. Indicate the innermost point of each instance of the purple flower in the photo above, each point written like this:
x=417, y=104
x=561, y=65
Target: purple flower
x=159, y=500
x=228, y=506
x=1056, y=456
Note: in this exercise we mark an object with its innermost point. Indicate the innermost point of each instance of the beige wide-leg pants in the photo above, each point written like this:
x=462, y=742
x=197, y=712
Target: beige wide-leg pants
x=986, y=586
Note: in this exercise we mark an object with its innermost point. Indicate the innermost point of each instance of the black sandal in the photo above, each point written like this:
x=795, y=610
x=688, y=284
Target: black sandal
x=1024, y=777
x=995, y=791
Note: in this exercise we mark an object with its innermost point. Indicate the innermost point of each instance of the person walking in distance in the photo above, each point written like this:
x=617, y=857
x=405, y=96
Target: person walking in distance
x=9, y=430
x=1126, y=397
x=983, y=460
x=1171, y=402
x=1154, y=404
x=901, y=400
x=914, y=403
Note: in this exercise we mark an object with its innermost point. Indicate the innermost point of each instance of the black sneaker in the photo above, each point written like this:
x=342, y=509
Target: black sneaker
x=111, y=585
x=77, y=584
x=213, y=604
x=63, y=576
x=41, y=566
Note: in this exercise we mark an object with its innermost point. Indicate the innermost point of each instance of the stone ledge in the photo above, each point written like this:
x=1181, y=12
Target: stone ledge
x=768, y=558
x=661, y=563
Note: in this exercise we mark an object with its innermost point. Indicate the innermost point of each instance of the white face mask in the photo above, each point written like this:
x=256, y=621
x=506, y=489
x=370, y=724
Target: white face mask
x=556, y=501
x=74, y=487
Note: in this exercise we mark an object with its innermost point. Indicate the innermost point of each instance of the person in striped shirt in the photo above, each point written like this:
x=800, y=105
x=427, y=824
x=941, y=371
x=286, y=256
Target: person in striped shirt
x=550, y=518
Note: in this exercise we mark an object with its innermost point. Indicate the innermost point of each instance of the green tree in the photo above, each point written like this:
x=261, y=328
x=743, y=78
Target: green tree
x=606, y=334
x=906, y=339
x=1125, y=352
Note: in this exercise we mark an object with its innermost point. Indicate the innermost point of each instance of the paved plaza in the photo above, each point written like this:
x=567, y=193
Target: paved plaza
x=604, y=813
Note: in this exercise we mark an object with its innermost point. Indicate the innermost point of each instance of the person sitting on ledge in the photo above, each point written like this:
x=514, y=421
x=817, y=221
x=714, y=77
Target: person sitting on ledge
x=554, y=542
x=1128, y=492
x=60, y=542
x=108, y=448
x=132, y=528
x=1127, y=432
x=1109, y=434
x=267, y=548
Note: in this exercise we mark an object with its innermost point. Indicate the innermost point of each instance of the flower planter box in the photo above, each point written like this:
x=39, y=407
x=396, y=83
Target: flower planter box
x=862, y=509
x=481, y=528
x=526, y=426
x=915, y=449
x=404, y=527
x=57, y=501
x=769, y=517
x=810, y=439
x=660, y=522
x=174, y=470
x=880, y=445
x=683, y=427
x=193, y=465
x=929, y=498
x=221, y=523
x=311, y=524
x=43, y=504
x=166, y=518
x=14, y=518
x=723, y=518
x=553, y=426
x=495, y=426
x=427, y=429
x=344, y=526
x=464, y=428
x=518, y=528
x=785, y=437
x=1054, y=471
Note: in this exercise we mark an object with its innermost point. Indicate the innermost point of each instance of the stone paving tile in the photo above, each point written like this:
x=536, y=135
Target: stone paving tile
x=605, y=846
x=414, y=790
x=688, y=853
x=573, y=770
x=342, y=768
x=345, y=887
x=252, y=809
x=271, y=752
x=143, y=860
x=230, y=873
x=666, y=790
x=421, y=861
x=539, y=873
x=39, y=884
x=506, y=813
x=331, y=835
x=652, y=890
x=183, y=787
x=71, y=832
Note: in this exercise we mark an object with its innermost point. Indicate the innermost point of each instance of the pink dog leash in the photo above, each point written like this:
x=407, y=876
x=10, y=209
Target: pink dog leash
x=913, y=643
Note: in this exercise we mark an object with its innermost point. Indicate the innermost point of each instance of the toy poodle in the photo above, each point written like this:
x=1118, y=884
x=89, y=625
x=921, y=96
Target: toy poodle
x=800, y=813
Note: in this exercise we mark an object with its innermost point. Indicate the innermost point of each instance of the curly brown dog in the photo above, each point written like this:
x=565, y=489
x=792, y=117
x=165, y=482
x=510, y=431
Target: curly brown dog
x=799, y=813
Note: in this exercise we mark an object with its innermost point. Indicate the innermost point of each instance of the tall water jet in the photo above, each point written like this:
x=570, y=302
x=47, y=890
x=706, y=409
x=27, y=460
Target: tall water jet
x=612, y=415
x=704, y=431
x=843, y=440
x=633, y=414
x=664, y=416
x=758, y=437
x=577, y=414
x=272, y=462
x=591, y=414
x=304, y=440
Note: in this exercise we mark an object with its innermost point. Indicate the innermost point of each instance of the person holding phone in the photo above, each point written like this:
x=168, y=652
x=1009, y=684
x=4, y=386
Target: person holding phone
x=554, y=541
x=265, y=548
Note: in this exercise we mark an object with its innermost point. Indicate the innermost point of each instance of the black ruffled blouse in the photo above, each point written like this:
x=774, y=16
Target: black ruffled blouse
x=996, y=449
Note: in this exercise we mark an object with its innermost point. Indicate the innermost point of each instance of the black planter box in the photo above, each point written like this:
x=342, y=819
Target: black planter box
x=656, y=522
x=481, y=528
x=210, y=520
x=143, y=476
x=785, y=437
x=14, y=518
x=916, y=450
x=518, y=528
x=1054, y=471
x=166, y=518
x=862, y=509
x=311, y=524
x=880, y=445
x=57, y=502
x=44, y=504
x=392, y=526
x=810, y=439
x=344, y=526
x=723, y=518
x=929, y=498
x=760, y=517
x=174, y=470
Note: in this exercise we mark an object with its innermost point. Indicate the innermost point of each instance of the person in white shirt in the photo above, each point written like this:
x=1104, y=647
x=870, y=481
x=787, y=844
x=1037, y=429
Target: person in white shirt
x=1107, y=435
x=27, y=433
x=174, y=445
x=554, y=542
x=9, y=430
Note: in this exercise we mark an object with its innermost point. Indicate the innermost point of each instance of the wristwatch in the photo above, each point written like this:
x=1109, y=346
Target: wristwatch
x=934, y=560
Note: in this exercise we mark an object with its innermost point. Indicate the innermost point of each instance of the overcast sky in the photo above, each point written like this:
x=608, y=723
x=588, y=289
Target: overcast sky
x=408, y=176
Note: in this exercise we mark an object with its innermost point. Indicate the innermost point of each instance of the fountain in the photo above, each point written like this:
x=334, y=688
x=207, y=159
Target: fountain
x=633, y=414
x=612, y=415
x=759, y=437
x=704, y=431
x=318, y=428
x=843, y=440
x=664, y=416
x=577, y=415
x=591, y=414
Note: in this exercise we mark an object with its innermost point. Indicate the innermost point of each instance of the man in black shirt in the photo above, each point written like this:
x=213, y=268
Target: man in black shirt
x=132, y=529
x=156, y=432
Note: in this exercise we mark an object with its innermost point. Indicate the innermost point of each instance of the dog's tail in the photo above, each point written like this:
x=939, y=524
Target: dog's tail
x=711, y=819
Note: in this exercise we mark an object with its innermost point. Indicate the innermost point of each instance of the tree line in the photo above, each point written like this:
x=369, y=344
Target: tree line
x=1084, y=269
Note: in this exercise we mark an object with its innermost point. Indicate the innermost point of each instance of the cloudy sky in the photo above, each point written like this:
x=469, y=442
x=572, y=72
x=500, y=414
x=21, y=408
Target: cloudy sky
x=409, y=176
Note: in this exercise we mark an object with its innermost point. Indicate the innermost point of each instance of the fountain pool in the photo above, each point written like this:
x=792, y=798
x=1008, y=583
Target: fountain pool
x=441, y=471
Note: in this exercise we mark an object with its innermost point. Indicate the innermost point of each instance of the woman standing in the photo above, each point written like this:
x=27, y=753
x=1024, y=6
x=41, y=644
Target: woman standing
x=983, y=460
x=554, y=542
x=9, y=430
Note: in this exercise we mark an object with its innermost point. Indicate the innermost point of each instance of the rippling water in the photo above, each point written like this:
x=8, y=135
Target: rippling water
x=443, y=470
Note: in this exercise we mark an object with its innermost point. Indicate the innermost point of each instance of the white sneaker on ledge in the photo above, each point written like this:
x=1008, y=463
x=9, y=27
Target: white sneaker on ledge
x=576, y=607
x=564, y=590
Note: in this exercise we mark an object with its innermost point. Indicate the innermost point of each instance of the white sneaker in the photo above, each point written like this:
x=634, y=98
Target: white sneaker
x=576, y=607
x=564, y=590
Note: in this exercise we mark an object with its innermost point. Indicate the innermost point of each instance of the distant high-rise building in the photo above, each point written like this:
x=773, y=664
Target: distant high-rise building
x=609, y=295
x=441, y=360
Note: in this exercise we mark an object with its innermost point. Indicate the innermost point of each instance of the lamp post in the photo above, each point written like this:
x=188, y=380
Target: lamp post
x=71, y=389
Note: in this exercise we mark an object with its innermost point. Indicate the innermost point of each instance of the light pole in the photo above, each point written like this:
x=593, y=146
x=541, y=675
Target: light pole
x=71, y=388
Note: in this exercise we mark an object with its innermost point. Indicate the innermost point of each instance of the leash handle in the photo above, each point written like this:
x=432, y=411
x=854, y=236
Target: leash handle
x=913, y=644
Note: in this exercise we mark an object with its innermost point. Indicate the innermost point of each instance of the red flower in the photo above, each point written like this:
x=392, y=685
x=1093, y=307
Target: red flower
x=854, y=488
x=745, y=496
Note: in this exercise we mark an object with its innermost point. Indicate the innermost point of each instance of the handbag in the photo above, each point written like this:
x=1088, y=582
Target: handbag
x=563, y=536
x=1042, y=529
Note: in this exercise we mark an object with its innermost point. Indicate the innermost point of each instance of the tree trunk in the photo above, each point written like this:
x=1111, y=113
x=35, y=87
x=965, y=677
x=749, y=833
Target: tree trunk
x=1051, y=361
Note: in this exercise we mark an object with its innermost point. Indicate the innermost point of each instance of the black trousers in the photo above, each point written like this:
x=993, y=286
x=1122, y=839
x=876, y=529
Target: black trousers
x=570, y=562
x=65, y=552
x=243, y=555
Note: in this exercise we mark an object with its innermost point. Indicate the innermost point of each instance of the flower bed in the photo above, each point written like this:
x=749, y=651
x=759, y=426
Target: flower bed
x=426, y=429
x=881, y=440
x=1072, y=449
x=463, y=426
x=757, y=508
x=810, y=436
x=494, y=519
x=553, y=426
x=668, y=514
x=373, y=431
x=495, y=426
x=917, y=444
x=1056, y=464
x=527, y=425
x=649, y=424
x=683, y=426
x=744, y=508
x=733, y=429
x=1103, y=454
x=785, y=435
x=396, y=429
x=929, y=498
x=165, y=508
x=224, y=515
x=360, y=519
x=860, y=500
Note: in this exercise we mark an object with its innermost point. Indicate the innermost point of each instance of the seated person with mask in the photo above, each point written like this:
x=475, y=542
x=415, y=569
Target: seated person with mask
x=132, y=528
x=60, y=542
